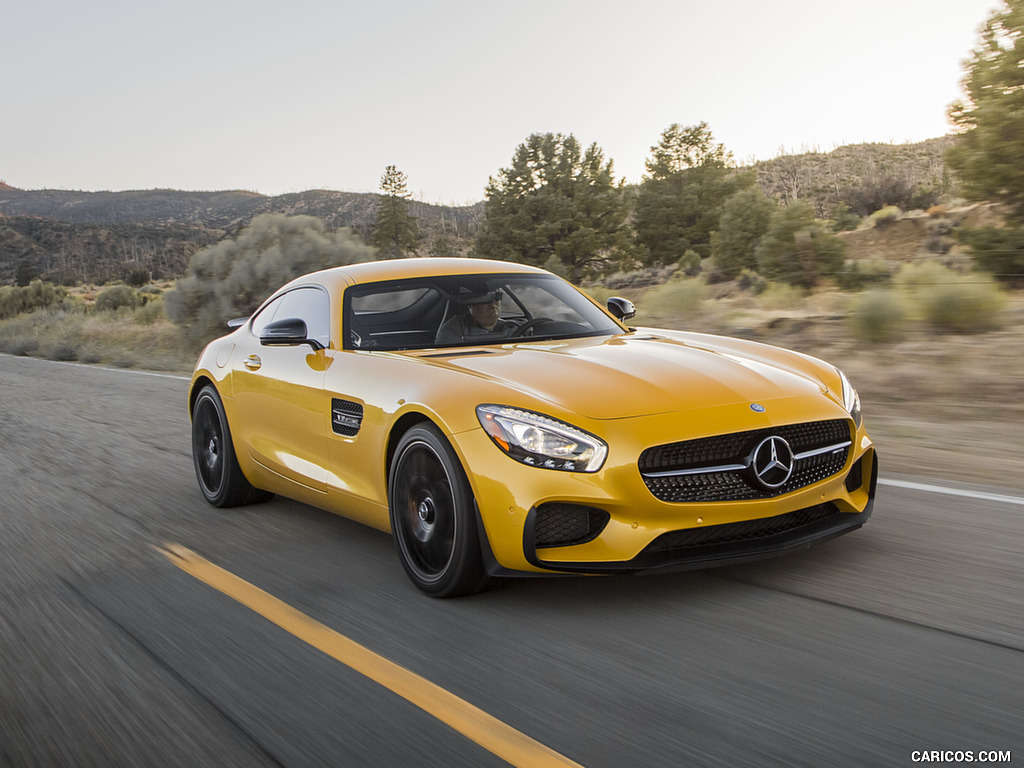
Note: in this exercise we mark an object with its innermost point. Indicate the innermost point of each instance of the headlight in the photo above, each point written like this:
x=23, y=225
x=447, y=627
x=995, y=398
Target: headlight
x=851, y=400
x=540, y=441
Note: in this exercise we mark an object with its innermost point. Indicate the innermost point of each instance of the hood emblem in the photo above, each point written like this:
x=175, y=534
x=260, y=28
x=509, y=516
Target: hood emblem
x=772, y=462
x=757, y=408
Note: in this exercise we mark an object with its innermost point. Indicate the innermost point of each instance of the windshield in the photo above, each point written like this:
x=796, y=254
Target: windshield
x=462, y=310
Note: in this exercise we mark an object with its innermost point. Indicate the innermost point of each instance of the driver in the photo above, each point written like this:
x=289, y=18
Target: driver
x=480, y=319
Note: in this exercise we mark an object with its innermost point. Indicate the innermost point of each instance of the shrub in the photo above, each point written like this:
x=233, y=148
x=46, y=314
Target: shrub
x=780, y=296
x=857, y=275
x=24, y=347
x=922, y=274
x=233, y=277
x=879, y=316
x=677, y=298
x=689, y=263
x=116, y=296
x=137, y=276
x=998, y=251
x=38, y=294
x=843, y=219
x=124, y=361
x=798, y=250
x=150, y=312
x=10, y=301
x=749, y=280
x=969, y=304
x=886, y=216
x=64, y=352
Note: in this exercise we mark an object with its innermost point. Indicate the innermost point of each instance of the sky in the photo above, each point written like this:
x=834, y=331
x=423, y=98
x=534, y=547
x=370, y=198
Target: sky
x=279, y=97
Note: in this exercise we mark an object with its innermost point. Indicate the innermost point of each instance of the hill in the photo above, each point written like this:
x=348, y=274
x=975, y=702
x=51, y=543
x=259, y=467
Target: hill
x=211, y=210
x=865, y=177
x=71, y=236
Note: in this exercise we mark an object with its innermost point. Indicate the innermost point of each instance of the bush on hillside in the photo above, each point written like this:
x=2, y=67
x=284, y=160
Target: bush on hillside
x=233, y=277
x=798, y=250
x=879, y=316
x=114, y=297
x=999, y=251
x=969, y=304
x=15, y=300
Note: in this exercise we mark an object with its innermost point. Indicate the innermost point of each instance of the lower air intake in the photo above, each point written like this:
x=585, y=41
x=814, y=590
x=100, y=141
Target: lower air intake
x=564, y=525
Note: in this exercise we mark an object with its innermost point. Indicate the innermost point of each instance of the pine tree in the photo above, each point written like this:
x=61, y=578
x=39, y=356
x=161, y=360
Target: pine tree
x=395, y=233
x=555, y=202
x=678, y=204
x=744, y=220
x=989, y=149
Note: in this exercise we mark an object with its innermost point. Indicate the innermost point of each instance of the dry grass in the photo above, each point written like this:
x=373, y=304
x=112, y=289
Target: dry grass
x=108, y=338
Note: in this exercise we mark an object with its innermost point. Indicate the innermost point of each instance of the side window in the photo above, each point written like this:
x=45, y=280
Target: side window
x=311, y=305
x=265, y=317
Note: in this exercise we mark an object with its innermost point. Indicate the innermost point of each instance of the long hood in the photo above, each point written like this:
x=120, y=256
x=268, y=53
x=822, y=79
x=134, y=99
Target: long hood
x=644, y=373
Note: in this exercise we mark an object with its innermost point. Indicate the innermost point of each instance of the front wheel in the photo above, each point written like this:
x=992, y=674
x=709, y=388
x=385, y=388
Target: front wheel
x=213, y=454
x=432, y=518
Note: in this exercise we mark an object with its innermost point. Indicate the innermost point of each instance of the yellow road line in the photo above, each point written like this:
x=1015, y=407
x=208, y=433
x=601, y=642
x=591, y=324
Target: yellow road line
x=506, y=742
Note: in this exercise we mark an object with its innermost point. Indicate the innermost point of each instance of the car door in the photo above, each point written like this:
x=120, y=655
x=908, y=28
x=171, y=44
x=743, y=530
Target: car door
x=282, y=412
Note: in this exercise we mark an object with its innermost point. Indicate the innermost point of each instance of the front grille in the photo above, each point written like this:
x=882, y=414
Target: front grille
x=564, y=525
x=677, y=542
x=739, y=484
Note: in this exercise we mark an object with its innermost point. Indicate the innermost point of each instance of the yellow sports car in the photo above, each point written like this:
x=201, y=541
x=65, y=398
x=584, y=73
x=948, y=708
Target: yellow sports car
x=498, y=421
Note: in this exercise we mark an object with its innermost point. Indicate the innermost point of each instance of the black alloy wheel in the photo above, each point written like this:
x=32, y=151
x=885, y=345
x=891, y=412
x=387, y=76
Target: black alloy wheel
x=220, y=478
x=432, y=515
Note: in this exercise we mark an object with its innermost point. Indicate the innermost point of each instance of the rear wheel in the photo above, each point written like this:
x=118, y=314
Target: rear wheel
x=213, y=454
x=432, y=515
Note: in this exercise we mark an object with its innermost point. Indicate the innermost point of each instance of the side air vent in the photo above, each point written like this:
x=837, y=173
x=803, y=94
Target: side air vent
x=346, y=417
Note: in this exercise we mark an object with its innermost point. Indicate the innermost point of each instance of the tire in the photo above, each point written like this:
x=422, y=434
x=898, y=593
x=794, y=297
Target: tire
x=213, y=455
x=432, y=515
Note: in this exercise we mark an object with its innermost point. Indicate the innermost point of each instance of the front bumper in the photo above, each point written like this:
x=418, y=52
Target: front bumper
x=633, y=531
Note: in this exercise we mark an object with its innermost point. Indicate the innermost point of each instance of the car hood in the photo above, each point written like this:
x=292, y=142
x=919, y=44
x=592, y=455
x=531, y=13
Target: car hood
x=643, y=373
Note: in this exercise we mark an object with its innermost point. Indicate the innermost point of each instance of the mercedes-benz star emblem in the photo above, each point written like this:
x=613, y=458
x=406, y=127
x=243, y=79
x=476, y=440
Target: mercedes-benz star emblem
x=772, y=462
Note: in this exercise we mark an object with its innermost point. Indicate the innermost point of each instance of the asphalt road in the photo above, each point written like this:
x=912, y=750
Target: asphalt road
x=907, y=635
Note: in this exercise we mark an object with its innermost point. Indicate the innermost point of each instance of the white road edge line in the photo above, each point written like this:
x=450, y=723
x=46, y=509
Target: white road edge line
x=103, y=368
x=981, y=495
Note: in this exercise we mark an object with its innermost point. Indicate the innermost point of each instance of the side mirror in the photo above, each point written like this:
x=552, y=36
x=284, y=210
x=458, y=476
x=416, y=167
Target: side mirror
x=238, y=322
x=289, y=332
x=623, y=309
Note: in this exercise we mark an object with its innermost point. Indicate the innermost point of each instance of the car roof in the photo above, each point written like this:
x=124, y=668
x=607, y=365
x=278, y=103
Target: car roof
x=396, y=269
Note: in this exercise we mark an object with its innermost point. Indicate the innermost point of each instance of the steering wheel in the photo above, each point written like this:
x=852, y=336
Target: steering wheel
x=529, y=325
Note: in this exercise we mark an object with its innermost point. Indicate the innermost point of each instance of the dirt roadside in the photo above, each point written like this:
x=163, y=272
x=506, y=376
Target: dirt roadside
x=945, y=407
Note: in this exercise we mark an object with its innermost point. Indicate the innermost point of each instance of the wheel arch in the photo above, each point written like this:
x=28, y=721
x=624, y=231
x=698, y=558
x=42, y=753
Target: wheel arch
x=197, y=387
x=404, y=423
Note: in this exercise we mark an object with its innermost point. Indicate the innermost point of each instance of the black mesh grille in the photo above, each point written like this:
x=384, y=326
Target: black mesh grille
x=734, y=449
x=744, y=531
x=563, y=525
x=346, y=417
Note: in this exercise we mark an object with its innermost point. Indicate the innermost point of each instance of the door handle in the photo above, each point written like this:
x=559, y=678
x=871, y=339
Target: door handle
x=253, y=362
